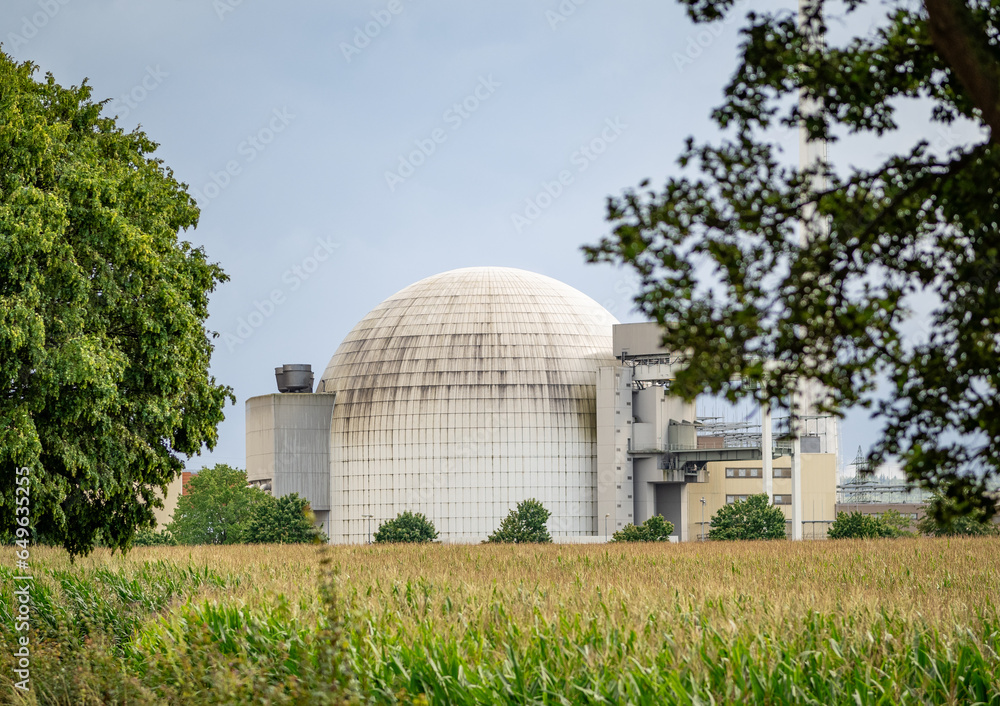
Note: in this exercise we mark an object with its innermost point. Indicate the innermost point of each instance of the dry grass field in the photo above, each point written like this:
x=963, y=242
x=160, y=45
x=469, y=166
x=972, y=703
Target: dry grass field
x=859, y=622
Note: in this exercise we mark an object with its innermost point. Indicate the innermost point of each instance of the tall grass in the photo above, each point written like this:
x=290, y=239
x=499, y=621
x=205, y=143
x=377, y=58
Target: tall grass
x=859, y=622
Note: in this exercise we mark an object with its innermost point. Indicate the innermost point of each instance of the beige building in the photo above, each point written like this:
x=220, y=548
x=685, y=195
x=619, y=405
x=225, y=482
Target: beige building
x=654, y=456
x=727, y=482
x=165, y=514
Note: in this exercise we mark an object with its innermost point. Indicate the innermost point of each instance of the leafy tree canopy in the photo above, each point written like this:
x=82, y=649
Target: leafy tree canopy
x=406, y=527
x=752, y=518
x=284, y=520
x=104, y=356
x=724, y=271
x=525, y=524
x=216, y=508
x=655, y=529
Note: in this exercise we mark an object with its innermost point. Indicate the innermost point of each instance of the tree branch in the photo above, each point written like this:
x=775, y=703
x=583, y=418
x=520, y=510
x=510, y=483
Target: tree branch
x=962, y=43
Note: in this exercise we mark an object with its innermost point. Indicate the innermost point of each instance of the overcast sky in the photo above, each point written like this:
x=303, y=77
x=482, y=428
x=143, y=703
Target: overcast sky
x=342, y=150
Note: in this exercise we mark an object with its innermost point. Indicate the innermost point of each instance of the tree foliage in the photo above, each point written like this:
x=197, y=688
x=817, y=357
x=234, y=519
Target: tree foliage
x=655, y=529
x=406, y=527
x=857, y=525
x=525, y=524
x=216, y=508
x=724, y=271
x=104, y=357
x=942, y=522
x=752, y=518
x=284, y=520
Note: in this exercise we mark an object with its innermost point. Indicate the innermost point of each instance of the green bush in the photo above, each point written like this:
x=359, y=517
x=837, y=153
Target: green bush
x=406, y=527
x=858, y=525
x=655, y=529
x=152, y=538
x=899, y=524
x=284, y=520
x=753, y=518
x=524, y=525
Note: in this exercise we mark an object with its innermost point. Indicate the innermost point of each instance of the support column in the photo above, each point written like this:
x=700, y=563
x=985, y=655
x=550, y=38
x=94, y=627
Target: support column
x=793, y=427
x=767, y=455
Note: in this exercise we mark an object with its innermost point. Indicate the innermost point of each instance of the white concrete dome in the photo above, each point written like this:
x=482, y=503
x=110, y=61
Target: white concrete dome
x=464, y=394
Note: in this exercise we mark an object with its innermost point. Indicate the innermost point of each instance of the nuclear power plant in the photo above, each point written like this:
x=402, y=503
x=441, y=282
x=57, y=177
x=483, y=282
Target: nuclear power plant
x=471, y=390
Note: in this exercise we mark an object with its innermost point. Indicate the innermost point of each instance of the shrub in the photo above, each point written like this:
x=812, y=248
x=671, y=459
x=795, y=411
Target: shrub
x=151, y=538
x=525, y=524
x=858, y=525
x=284, y=520
x=752, y=518
x=899, y=524
x=406, y=527
x=655, y=529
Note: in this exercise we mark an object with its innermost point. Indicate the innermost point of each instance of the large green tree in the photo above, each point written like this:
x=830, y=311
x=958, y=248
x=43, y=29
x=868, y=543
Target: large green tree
x=217, y=507
x=104, y=356
x=724, y=270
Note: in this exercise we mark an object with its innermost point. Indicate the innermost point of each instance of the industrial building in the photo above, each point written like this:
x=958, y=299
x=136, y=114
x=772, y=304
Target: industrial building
x=474, y=389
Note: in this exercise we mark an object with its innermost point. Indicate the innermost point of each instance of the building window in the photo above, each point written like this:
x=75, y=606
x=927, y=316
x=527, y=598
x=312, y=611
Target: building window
x=732, y=499
x=730, y=473
x=743, y=473
x=782, y=472
x=782, y=499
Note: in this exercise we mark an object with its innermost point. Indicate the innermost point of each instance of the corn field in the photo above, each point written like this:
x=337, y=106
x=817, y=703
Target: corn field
x=908, y=621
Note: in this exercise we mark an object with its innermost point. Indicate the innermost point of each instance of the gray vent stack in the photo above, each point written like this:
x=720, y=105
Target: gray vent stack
x=294, y=378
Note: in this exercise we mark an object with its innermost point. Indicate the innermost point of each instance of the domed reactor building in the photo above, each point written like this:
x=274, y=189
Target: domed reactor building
x=471, y=390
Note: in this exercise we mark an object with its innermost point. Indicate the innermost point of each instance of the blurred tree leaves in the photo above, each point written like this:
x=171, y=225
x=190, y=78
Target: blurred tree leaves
x=724, y=271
